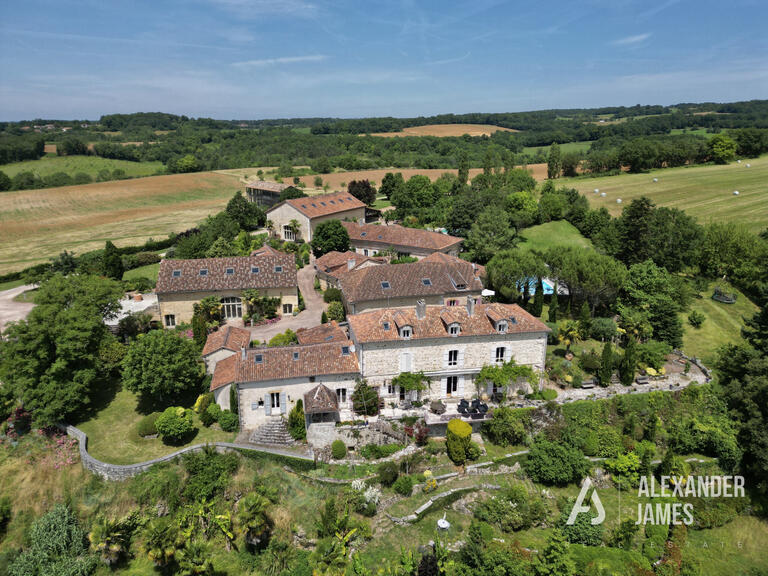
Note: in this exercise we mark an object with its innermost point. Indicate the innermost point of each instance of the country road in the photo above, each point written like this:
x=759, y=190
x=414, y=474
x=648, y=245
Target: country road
x=11, y=310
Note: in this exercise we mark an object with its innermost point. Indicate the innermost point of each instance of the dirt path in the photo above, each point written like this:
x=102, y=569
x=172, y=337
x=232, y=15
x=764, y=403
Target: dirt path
x=307, y=319
x=11, y=310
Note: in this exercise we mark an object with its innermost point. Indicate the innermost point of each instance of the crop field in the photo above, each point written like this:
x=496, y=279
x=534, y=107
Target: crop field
x=91, y=165
x=567, y=147
x=705, y=192
x=38, y=224
x=442, y=130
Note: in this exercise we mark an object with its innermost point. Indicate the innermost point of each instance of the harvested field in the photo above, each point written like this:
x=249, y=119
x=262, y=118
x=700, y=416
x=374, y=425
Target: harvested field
x=38, y=224
x=90, y=165
x=442, y=130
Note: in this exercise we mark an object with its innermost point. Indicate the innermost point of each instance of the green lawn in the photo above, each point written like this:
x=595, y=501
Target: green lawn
x=722, y=325
x=91, y=165
x=10, y=284
x=112, y=435
x=705, y=192
x=567, y=147
x=149, y=271
x=551, y=234
x=381, y=202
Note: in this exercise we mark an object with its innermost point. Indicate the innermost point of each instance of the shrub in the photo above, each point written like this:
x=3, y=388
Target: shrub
x=548, y=394
x=512, y=509
x=434, y=447
x=653, y=353
x=388, y=473
x=296, y=425
x=376, y=451
x=338, y=449
x=228, y=421
x=558, y=464
x=208, y=473
x=589, y=362
x=582, y=531
x=505, y=428
x=696, y=319
x=403, y=485
x=147, y=425
x=324, y=317
x=473, y=451
x=5, y=513
x=162, y=482
x=175, y=424
x=602, y=329
x=211, y=414
x=336, y=311
x=365, y=400
x=332, y=295
x=457, y=440
x=202, y=402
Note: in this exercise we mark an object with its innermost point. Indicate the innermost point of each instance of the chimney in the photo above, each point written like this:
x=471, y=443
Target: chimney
x=470, y=306
x=351, y=263
x=421, y=308
x=242, y=352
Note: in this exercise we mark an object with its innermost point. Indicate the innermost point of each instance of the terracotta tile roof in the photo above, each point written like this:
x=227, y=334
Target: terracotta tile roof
x=441, y=257
x=413, y=279
x=399, y=236
x=184, y=275
x=329, y=332
x=228, y=337
x=266, y=250
x=265, y=185
x=371, y=326
x=323, y=205
x=279, y=363
x=320, y=399
x=335, y=263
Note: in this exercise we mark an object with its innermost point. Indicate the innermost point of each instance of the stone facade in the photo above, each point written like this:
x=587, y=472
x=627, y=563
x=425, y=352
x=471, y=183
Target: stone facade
x=282, y=215
x=180, y=305
x=380, y=362
x=211, y=359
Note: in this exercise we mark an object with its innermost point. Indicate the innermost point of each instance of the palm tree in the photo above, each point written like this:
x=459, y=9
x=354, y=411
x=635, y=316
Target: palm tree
x=160, y=541
x=294, y=226
x=109, y=538
x=569, y=334
x=194, y=559
x=252, y=518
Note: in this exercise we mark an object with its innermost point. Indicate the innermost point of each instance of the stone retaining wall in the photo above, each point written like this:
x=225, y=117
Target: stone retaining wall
x=122, y=472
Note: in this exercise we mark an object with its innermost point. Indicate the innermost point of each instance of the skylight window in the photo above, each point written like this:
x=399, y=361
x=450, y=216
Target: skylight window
x=229, y=271
x=314, y=205
x=303, y=205
x=177, y=273
x=323, y=204
x=295, y=355
x=426, y=281
x=332, y=201
x=254, y=269
x=386, y=325
x=345, y=350
x=363, y=234
x=203, y=271
x=258, y=359
x=385, y=285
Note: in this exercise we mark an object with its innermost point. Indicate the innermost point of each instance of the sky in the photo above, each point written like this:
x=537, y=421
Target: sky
x=252, y=59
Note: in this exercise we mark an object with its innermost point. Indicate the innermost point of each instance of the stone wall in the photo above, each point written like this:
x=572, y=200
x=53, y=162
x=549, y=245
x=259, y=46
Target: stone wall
x=118, y=472
x=181, y=304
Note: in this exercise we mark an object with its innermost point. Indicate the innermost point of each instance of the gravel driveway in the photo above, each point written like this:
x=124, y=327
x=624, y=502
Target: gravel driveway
x=11, y=310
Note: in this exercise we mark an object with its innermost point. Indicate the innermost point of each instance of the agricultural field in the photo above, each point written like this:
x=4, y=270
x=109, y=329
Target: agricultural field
x=90, y=165
x=705, y=192
x=567, y=147
x=38, y=224
x=443, y=130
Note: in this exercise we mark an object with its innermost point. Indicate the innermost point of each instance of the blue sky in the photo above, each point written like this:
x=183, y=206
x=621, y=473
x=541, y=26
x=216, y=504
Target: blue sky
x=287, y=58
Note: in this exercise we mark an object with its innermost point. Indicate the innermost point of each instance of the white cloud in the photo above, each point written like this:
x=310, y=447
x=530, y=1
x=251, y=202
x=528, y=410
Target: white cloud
x=280, y=60
x=629, y=40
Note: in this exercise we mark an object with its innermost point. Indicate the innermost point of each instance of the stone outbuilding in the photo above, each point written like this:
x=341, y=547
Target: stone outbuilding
x=297, y=218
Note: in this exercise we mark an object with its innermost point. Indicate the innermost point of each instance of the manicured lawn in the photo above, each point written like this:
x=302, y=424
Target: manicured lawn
x=149, y=271
x=10, y=284
x=705, y=192
x=381, y=202
x=551, y=234
x=722, y=325
x=91, y=165
x=112, y=435
x=567, y=147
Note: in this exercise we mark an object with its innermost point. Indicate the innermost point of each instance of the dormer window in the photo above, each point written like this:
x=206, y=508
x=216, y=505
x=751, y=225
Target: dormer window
x=177, y=273
x=386, y=325
x=258, y=359
x=254, y=269
x=322, y=203
x=345, y=350
x=385, y=285
x=203, y=271
x=229, y=271
x=295, y=355
x=454, y=329
x=502, y=326
x=461, y=286
x=406, y=332
x=278, y=268
x=426, y=281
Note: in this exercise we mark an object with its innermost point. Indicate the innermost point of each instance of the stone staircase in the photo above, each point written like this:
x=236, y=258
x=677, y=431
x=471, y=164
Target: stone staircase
x=275, y=431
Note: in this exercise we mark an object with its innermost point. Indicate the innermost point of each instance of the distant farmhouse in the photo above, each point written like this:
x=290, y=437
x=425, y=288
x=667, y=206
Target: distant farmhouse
x=438, y=280
x=182, y=283
x=264, y=193
x=310, y=211
x=372, y=239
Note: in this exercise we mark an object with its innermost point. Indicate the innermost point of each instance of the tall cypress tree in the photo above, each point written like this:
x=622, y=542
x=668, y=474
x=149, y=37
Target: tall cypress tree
x=538, y=299
x=553, y=306
x=628, y=363
x=554, y=161
x=606, y=364
x=112, y=264
x=585, y=320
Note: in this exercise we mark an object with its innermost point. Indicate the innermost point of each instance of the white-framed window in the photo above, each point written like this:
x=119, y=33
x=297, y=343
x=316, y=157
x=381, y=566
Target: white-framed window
x=287, y=308
x=451, y=385
x=258, y=359
x=229, y=271
x=502, y=326
x=203, y=271
x=170, y=320
x=406, y=332
x=341, y=395
x=254, y=269
x=274, y=399
x=288, y=233
x=454, y=329
x=232, y=307
x=453, y=357
x=177, y=273
x=278, y=269
x=391, y=389
x=500, y=354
